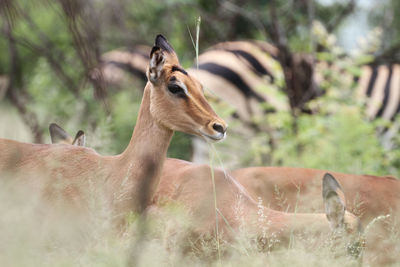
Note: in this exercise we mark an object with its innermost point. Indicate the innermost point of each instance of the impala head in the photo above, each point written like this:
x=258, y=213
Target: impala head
x=59, y=136
x=177, y=100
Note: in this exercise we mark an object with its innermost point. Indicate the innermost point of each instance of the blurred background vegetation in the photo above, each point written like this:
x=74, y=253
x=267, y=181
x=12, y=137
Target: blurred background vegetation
x=48, y=50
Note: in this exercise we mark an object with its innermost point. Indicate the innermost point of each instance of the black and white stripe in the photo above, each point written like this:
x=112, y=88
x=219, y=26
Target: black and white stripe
x=243, y=78
x=116, y=63
x=380, y=85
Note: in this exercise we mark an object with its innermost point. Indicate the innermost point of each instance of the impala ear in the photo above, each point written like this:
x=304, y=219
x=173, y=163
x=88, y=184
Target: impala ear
x=334, y=201
x=80, y=139
x=168, y=50
x=161, y=53
x=59, y=135
x=156, y=64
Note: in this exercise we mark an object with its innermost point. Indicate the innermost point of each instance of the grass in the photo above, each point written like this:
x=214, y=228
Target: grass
x=31, y=239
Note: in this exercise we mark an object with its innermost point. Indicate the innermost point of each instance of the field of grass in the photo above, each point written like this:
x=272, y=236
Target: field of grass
x=32, y=236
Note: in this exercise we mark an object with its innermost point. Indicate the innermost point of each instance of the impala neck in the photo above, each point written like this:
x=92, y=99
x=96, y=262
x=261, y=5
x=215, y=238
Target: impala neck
x=143, y=159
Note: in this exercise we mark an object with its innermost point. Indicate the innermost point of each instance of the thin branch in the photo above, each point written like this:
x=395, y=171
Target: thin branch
x=47, y=43
x=310, y=14
x=54, y=63
x=246, y=14
x=285, y=56
x=86, y=48
x=337, y=20
x=10, y=10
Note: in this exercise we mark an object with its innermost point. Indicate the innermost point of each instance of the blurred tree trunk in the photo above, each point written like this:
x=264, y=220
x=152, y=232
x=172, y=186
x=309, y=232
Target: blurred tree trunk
x=15, y=92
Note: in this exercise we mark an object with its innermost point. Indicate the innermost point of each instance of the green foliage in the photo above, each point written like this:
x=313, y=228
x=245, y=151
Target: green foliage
x=180, y=146
x=343, y=141
x=49, y=97
x=125, y=109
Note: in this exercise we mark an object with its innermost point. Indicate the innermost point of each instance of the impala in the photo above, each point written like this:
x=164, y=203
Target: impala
x=369, y=197
x=191, y=185
x=172, y=101
x=285, y=188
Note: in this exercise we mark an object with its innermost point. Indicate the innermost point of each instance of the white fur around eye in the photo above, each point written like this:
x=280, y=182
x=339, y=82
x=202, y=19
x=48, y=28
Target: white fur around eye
x=183, y=86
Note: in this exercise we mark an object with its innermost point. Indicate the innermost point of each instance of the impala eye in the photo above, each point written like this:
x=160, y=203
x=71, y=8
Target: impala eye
x=176, y=90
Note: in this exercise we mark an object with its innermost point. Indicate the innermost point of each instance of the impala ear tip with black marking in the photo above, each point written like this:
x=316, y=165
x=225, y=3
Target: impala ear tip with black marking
x=80, y=139
x=162, y=43
x=80, y=133
x=159, y=38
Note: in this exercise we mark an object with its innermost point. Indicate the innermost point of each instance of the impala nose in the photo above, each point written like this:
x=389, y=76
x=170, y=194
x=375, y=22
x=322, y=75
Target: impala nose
x=219, y=128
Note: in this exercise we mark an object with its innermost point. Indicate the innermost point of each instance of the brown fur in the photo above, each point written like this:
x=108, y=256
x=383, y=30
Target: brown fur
x=191, y=185
x=367, y=196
